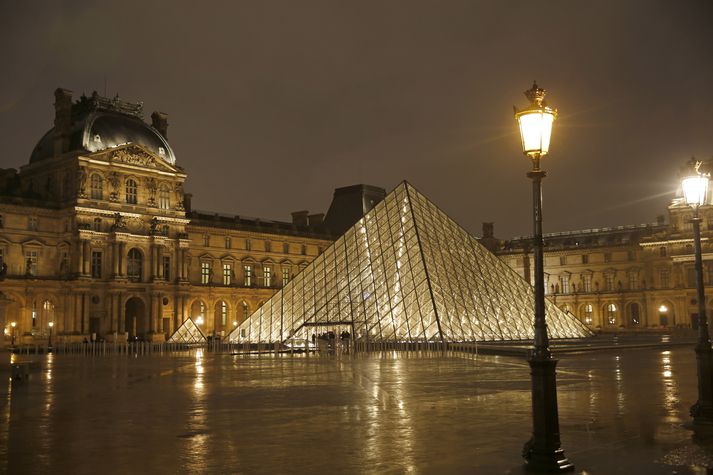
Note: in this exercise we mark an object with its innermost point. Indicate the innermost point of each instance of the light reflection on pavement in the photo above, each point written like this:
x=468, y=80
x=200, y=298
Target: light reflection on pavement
x=621, y=411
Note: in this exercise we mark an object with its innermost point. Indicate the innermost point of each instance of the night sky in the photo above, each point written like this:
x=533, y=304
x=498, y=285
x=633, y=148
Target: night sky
x=274, y=104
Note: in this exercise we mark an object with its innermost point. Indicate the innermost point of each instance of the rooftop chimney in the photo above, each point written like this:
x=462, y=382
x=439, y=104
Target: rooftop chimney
x=159, y=121
x=299, y=218
x=62, y=120
x=315, y=220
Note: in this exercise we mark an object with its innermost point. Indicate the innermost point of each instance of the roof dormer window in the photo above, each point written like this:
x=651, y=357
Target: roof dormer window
x=97, y=138
x=162, y=151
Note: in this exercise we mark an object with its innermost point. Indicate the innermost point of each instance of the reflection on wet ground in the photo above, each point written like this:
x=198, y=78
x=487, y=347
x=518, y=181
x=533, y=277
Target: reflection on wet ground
x=621, y=411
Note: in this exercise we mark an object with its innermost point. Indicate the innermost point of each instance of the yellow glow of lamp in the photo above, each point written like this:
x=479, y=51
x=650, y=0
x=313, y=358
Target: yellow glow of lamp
x=695, y=187
x=51, y=324
x=199, y=321
x=13, y=324
x=535, y=123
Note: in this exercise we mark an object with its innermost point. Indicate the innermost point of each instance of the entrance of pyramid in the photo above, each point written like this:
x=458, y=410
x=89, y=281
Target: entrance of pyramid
x=135, y=318
x=330, y=337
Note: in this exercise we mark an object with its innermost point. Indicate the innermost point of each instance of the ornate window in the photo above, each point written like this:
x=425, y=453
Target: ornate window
x=166, y=267
x=227, y=274
x=268, y=246
x=205, y=272
x=588, y=314
x=223, y=307
x=267, y=276
x=286, y=274
x=228, y=242
x=663, y=277
x=132, y=191
x=585, y=258
x=206, y=240
x=587, y=282
x=246, y=310
x=662, y=251
x=164, y=197
x=633, y=280
x=134, y=265
x=31, y=260
x=32, y=223
x=609, y=281
x=611, y=314
x=565, y=283
x=247, y=244
x=247, y=275
x=285, y=248
x=97, y=224
x=96, y=187
x=96, y=264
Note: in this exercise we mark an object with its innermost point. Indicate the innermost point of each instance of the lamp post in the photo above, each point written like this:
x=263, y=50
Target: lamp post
x=12, y=325
x=51, y=324
x=543, y=452
x=695, y=188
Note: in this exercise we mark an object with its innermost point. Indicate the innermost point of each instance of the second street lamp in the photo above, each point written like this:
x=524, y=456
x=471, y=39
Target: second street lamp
x=695, y=190
x=49, y=344
x=543, y=452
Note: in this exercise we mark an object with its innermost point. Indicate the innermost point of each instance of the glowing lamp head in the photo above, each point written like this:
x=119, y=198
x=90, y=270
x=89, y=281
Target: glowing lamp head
x=199, y=321
x=235, y=324
x=535, y=123
x=663, y=309
x=51, y=324
x=13, y=324
x=695, y=186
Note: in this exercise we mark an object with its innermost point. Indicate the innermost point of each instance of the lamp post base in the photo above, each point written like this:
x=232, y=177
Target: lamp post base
x=702, y=410
x=543, y=452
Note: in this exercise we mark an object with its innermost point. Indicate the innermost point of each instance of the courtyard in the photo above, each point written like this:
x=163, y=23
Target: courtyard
x=621, y=411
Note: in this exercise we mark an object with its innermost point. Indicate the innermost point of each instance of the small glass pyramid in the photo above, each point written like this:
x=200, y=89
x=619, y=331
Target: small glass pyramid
x=405, y=272
x=188, y=332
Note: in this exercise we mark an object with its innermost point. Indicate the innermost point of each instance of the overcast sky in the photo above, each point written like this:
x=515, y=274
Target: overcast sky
x=273, y=104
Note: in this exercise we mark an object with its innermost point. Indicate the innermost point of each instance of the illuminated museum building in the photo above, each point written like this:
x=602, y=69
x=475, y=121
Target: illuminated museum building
x=630, y=277
x=98, y=236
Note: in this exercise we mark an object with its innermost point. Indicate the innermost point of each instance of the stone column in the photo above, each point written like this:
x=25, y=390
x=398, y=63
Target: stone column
x=77, y=313
x=122, y=259
x=120, y=313
x=152, y=313
x=85, y=312
x=115, y=258
x=86, y=252
x=81, y=257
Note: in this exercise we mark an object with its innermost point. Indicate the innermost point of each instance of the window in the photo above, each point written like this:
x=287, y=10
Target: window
x=64, y=263
x=97, y=224
x=31, y=262
x=607, y=257
x=587, y=282
x=285, y=248
x=96, y=187
x=228, y=243
x=633, y=280
x=588, y=314
x=227, y=274
x=246, y=310
x=611, y=314
x=205, y=272
x=132, y=191
x=267, y=276
x=662, y=251
x=165, y=229
x=585, y=258
x=608, y=281
x=285, y=275
x=164, y=197
x=32, y=223
x=248, y=245
x=691, y=276
x=223, y=313
x=635, y=313
x=134, y=264
x=631, y=255
x=663, y=278
x=34, y=317
x=268, y=246
x=248, y=275
x=565, y=284
x=96, y=264
x=304, y=250
x=206, y=240
x=166, y=267
x=563, y=261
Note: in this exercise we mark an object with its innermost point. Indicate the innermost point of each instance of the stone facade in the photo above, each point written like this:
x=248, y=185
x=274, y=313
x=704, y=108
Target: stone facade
x=628, y=277
x=98, y=237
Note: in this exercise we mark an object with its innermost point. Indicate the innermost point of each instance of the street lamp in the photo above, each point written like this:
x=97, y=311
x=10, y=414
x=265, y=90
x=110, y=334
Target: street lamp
x=51, y=324
x=695, y=188
x=543, y=452
x=13, y=324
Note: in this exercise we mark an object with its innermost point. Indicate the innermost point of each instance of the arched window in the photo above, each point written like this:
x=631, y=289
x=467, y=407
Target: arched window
x=134, y=265
x=164, y=199
x=132, y=190
x=611, y=314
x=246, y=310
x=634, y=314
x=96, y=187
x=588, y=314
x=223, y=312
x=662, y=251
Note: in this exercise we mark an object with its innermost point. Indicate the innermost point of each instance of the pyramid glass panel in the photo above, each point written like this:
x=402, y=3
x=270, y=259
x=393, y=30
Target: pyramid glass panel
x=187, y=333
x=405, y=272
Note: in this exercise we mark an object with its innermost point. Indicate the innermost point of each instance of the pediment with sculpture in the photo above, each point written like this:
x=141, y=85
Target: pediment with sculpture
x=137, y=155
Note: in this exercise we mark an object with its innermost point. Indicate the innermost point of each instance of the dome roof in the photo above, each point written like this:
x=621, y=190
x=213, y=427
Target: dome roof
x=99, y=124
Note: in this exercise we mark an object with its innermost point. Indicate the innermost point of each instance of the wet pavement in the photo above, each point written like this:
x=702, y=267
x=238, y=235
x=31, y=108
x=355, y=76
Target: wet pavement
x=621, y=411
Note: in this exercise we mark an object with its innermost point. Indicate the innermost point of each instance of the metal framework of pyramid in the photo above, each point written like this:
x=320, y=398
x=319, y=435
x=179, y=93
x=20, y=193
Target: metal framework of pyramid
x=405, y=272
x=188, y=332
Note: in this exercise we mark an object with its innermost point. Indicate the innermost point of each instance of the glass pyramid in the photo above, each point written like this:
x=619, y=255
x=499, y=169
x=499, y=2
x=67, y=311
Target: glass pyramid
x=188, y=332
x=405, y=272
